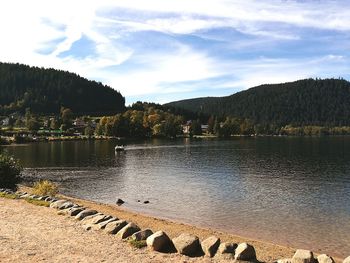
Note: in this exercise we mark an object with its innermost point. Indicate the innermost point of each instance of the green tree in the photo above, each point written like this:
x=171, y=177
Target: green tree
x=195, y=128
x=19, y=123
x=211, y=123
x=216, y=128
x=54, y=124
x=89, y=131
x=33, y=124
x=67, y=116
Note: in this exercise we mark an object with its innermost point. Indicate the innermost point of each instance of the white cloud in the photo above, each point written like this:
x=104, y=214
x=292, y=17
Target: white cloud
x=183, y=65
x=28, y=27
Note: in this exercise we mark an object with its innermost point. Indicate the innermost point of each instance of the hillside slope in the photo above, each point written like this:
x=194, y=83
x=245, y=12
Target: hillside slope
x=46, y=90
x=303, y=102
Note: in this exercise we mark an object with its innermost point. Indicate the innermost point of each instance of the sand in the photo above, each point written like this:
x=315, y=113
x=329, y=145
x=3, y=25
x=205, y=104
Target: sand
x=30, y=233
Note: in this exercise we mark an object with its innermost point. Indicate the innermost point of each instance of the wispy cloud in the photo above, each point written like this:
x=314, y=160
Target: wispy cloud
x=163, y=50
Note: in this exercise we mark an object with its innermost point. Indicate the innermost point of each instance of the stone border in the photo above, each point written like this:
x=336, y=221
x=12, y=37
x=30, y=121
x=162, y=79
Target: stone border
x=185, y=244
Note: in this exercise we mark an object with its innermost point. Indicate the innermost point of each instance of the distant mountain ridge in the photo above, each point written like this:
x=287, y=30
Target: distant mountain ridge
x=44, y=91
x=303, y=102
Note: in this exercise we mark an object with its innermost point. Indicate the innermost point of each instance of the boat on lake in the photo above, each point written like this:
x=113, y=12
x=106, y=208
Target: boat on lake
x=119, y=148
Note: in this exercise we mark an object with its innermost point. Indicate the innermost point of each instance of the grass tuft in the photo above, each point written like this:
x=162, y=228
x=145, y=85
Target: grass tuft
x=38, y=202
x=9, y=196
x=137, y=244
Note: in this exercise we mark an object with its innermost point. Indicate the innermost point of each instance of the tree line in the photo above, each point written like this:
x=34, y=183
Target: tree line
x=309, y=102
x=141, y=120
x=45, y=91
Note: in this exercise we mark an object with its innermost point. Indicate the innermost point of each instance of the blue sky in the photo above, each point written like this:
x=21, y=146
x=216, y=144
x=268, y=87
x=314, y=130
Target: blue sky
x=160, y=50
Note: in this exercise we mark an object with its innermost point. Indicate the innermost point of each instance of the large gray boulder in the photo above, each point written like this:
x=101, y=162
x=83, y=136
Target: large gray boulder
x=114, y=227
x=96, y=219
x=210, y=245
x=347, y=260
x=325, y=259
x=65, y=205
x=303, y=256
x=226, y=251
x=103, y=224
x=24, y=196
x=187, y=244
x=142, y=235
x=57, y=203
x=127, y=231
x=88, y=224
x=43, y=198
x=74, y=211
x=85, y=213
x=48, y=199
x=245, y=252
x=159, y=241
x=89, y=217
x=227, y=248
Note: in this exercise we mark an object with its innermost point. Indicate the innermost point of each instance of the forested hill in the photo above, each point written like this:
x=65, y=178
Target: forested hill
x=46, y=90
x=304, y=102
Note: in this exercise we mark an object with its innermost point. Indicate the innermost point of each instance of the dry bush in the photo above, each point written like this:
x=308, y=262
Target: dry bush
x=45, y=187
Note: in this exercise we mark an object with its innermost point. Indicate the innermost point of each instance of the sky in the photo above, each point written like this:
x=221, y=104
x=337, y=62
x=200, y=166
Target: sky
x=162, y=50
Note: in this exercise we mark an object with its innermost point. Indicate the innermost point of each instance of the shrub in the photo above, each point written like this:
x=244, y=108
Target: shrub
x=137, y=243
x=10, y=172
x=45, y=187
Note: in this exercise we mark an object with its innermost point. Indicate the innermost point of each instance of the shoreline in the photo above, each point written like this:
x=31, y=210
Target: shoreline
x=266, y=251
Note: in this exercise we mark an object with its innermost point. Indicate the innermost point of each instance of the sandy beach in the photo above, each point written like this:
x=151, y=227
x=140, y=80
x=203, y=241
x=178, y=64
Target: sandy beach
x=30, y=233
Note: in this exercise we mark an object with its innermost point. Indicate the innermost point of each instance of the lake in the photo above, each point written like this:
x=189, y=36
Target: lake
x=291, y=191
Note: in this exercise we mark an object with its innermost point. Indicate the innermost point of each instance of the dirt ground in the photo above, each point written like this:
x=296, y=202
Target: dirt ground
x=30, y=233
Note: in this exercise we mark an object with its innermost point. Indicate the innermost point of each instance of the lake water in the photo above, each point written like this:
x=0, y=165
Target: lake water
x=291, y=191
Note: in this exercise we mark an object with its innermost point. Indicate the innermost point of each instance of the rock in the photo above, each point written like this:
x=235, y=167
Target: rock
x=88, y=224
x=226, y=251
x=227, y=248
x=42, y=198
x=85, y=213
x=128, y=230
x=115, y=226
x=303, y=256
x=57, y=203
x=88, y=218
x=62, y=212
x=102, y=225
x=73, y=211
x=245, y=252
x=325, y=259
x=120, y=201
x=187, y=244
x=142, y=235
x=284, y=260
x=210, y=246
x=347, y=260
x=146, y=202
x=25, y=196
x=159, y=241
x=48, y=199
x=65, y=205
